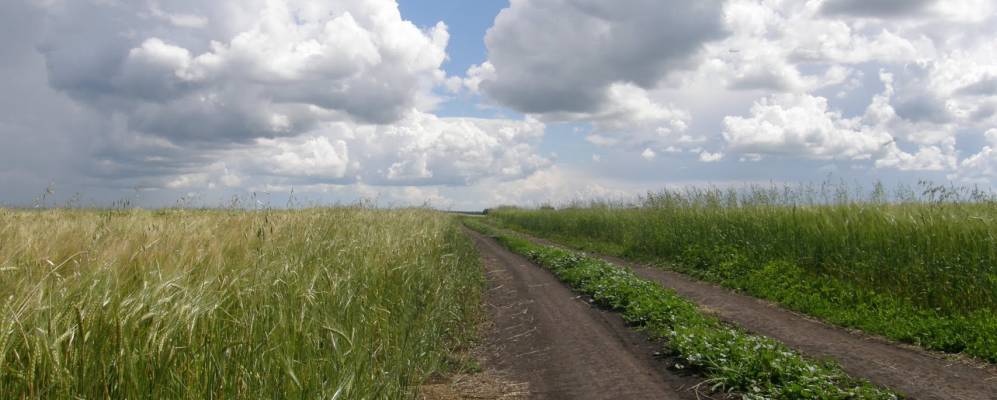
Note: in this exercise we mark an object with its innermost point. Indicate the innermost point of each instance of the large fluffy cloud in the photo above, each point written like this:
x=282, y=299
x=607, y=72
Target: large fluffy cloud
x=802, y=125
x=594, y=62
x=634, y=121
x=564, y=55
x=193, y=95
x=611, y=74
x=809, y=63
x=293, y=64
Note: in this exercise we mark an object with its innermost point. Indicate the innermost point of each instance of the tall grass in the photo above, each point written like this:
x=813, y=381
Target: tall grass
x=320, y=303
x=920, y=268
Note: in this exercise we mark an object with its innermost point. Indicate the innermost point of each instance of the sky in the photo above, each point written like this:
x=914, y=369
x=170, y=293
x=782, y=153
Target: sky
x=470, y=104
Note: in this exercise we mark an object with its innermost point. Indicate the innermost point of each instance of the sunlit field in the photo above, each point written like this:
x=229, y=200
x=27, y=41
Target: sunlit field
x=919, y=266
x=321, y=303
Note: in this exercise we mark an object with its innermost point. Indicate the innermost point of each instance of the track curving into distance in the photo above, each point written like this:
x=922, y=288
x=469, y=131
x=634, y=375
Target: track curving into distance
x=546, y=335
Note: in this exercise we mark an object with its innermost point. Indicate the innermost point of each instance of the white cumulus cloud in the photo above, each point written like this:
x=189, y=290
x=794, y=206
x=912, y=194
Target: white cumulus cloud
x=802, y=125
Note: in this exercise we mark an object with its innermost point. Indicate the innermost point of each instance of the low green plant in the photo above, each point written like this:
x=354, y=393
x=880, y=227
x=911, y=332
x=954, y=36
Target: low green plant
x=730, y=359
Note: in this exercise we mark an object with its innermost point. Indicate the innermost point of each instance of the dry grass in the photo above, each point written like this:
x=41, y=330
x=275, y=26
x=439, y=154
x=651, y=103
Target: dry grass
x=319, y=303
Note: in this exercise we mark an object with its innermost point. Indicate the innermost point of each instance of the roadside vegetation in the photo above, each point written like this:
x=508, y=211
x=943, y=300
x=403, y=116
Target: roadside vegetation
x=347, y=303
x=915, y=265
x=732, y=360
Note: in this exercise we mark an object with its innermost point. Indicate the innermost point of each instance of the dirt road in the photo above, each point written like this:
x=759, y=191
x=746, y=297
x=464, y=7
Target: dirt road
x=917, y=374
x=544, y=334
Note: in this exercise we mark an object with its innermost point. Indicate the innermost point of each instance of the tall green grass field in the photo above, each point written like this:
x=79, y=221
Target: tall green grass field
x=919, y=269
x=344, y=303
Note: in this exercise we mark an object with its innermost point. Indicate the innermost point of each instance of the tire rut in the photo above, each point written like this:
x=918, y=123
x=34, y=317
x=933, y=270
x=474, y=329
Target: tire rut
x=564, y=348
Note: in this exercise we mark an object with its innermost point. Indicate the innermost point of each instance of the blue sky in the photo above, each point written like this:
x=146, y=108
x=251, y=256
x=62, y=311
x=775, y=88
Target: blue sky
x=160, y=102
x=467, y=22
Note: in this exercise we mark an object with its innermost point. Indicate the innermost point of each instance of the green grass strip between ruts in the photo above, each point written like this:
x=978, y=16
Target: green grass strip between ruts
x=731, y=359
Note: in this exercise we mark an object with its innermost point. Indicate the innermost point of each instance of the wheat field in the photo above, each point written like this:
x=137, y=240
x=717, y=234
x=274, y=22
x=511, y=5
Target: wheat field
x=319, y=303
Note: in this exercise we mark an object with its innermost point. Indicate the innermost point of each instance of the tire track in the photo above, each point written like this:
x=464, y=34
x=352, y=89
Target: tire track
x=544, y=334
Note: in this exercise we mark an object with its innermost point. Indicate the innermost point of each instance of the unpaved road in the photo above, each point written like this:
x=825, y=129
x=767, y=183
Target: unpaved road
x=915, y=373
x=547, y=336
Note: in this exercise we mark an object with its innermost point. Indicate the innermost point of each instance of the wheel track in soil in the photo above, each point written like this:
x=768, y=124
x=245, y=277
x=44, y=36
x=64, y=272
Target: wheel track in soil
x=561, y=346
x=916, y=373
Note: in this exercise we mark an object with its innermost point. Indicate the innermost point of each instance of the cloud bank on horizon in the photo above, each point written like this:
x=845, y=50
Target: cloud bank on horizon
x=348, y=99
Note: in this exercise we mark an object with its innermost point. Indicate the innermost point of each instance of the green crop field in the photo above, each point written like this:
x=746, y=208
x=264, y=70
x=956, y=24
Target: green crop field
x=918, y=267
x=323, y=303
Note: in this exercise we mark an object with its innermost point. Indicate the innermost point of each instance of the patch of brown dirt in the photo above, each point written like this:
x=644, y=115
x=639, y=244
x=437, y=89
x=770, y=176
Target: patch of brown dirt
x=558, y=345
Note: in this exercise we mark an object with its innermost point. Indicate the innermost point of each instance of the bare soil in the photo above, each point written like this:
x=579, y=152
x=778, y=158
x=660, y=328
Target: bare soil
x=916, y=373
x=561, y=347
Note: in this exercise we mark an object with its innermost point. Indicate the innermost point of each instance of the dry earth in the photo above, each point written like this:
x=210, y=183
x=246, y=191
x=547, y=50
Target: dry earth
x=555, y=345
